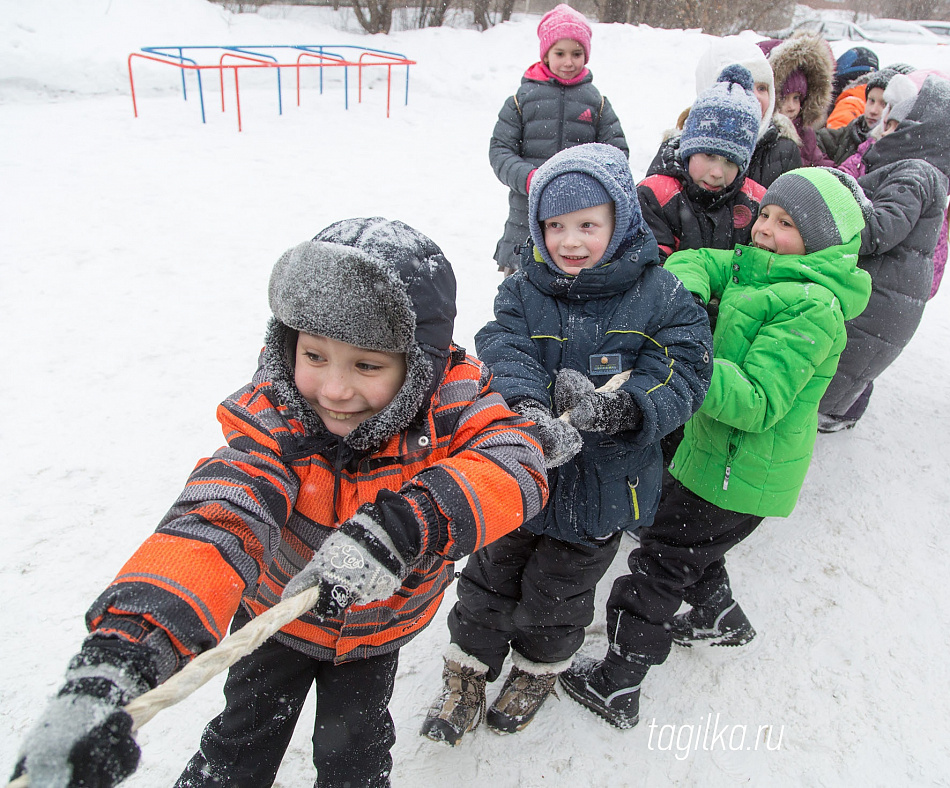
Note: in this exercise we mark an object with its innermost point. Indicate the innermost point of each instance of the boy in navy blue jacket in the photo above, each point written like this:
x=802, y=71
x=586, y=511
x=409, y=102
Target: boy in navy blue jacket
x=591, y=300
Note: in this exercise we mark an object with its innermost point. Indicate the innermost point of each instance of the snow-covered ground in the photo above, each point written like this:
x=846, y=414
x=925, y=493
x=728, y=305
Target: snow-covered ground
x=135, y=255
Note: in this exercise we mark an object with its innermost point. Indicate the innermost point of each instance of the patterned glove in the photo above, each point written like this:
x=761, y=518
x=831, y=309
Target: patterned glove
x=595, y=411
x=84, y=737
x=359, y=562
x=559, y=440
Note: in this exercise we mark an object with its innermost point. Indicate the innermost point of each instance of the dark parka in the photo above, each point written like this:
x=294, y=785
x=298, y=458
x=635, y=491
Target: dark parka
x=838, y=144
x=906, y=180
x=683, y=215
x=626, y=305
x=542, y=118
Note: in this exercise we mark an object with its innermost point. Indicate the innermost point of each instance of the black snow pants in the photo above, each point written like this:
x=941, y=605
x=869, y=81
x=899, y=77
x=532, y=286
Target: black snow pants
x=531, y=593
x=265, y=692
x=680, y=558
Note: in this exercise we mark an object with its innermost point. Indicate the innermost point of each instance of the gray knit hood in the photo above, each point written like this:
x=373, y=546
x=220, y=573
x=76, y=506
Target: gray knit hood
x=372, y=283
x=607, y=165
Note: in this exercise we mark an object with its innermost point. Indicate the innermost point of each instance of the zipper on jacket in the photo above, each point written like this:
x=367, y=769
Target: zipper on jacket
x=734, y=442
x=633, y=497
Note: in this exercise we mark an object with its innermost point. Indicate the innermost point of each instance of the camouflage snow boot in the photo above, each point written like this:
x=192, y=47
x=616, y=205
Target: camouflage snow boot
x=461, y=706
x=524, y=691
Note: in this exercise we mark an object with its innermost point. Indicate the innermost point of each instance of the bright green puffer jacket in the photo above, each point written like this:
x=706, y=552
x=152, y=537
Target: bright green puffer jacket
x=778, y=336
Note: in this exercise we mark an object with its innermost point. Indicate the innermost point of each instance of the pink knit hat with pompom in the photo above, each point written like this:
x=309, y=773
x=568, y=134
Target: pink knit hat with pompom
x=562, y=21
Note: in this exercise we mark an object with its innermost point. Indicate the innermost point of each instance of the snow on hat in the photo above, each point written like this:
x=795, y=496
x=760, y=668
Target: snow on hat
x=732, y=49
x=372, y=283
x=724, y=120
x=827, y=205
x=609, y=167
x=902, y=109
x=572, y=191
x=560, y=22
x=854, y=63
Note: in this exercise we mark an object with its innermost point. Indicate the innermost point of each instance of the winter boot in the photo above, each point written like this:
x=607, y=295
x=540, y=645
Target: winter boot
x=586, y=681
x=719, y=622
x=526, y=688
x=461, y=706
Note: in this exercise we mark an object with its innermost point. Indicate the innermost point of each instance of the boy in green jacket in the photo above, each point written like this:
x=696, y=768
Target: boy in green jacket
x=780, y=330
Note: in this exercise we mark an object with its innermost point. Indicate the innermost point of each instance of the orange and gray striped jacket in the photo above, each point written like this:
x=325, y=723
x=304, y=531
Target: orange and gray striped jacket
x=251, y=516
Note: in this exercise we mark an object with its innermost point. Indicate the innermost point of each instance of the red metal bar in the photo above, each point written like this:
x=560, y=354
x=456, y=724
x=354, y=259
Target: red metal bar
x=389, y=61
x=334, y=61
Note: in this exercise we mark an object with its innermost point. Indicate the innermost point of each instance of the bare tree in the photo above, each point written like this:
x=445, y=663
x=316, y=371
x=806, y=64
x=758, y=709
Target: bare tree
x=374, y=16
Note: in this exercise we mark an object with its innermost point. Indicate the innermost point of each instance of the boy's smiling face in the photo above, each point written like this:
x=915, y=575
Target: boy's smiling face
x=565, y=58
x=577, y=240
x=775, y=231
x=343, y=383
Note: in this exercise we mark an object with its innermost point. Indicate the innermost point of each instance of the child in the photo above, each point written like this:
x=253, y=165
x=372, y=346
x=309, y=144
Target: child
x=842, y=142
x=776, y=147
x=781, y=328
x=848, y=96
x=906, y=178
x=591, y=301
x=365, y=456
x=804, y=67
x=557, y=106
x=702, y=197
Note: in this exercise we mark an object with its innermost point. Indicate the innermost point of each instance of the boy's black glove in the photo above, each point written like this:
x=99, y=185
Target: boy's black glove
x=711, y=309
x=559, y=440
x=594, y=411
x=84, y=737
x=360, y=562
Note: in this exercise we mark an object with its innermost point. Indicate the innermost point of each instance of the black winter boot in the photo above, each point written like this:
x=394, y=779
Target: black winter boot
x=720, y=622
x=524, y=691
x=588, y=683
x=461, y=705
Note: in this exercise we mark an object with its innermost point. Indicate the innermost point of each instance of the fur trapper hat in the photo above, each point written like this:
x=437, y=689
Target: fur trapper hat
x=560, y=22
x=372, y=283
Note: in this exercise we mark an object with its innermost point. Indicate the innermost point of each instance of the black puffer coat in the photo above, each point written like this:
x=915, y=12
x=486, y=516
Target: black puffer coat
x=542, y=118
x=683, y=215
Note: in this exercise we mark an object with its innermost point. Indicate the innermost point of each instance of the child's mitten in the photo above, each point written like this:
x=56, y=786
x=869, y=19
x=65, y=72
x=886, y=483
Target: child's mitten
x=559, y=440
x=359, y=562
x=595, y=411
x=84, y=737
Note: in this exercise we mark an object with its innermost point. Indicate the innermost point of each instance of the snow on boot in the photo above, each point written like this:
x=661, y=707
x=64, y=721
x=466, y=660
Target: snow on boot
x=524, y=691
x=461, y=706
x=586, y=682
x=721, y=623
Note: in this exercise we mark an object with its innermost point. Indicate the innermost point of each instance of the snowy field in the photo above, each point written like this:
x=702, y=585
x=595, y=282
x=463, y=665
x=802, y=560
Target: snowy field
x=135, y=255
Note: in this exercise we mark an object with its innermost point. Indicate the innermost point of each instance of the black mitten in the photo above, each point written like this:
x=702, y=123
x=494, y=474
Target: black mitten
x=711, y=309
x=559, y=440
x=591, y=410
x=360, y=561
x=84, y=737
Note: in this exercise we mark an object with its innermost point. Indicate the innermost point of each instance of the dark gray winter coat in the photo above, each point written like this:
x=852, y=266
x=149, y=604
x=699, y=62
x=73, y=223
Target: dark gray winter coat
x=897, y=246
x=542, y=118
x=627, y=309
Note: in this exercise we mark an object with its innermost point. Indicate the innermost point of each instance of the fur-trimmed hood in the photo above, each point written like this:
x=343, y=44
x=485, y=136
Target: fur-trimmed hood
x=814, y=57
x=372, y=283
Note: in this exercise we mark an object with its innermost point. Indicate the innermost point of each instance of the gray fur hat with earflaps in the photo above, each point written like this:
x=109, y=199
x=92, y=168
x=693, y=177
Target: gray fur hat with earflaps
x=373, y=283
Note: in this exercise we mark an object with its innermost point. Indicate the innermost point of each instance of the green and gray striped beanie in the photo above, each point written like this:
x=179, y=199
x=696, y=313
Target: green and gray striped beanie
x=827, y=205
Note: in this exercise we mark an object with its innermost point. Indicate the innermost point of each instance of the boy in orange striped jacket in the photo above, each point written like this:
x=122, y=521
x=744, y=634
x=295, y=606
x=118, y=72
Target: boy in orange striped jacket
x=366, y=455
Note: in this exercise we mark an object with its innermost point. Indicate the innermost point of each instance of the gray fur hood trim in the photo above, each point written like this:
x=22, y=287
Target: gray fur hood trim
x=373, y=283
x=814, y=57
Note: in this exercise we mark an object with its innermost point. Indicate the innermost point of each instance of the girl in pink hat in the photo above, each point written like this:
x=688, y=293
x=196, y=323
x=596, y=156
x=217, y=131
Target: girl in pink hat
x=556, y=107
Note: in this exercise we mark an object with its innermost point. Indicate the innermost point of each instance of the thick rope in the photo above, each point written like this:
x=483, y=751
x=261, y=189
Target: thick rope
x=611, y=385
x=209, y=664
